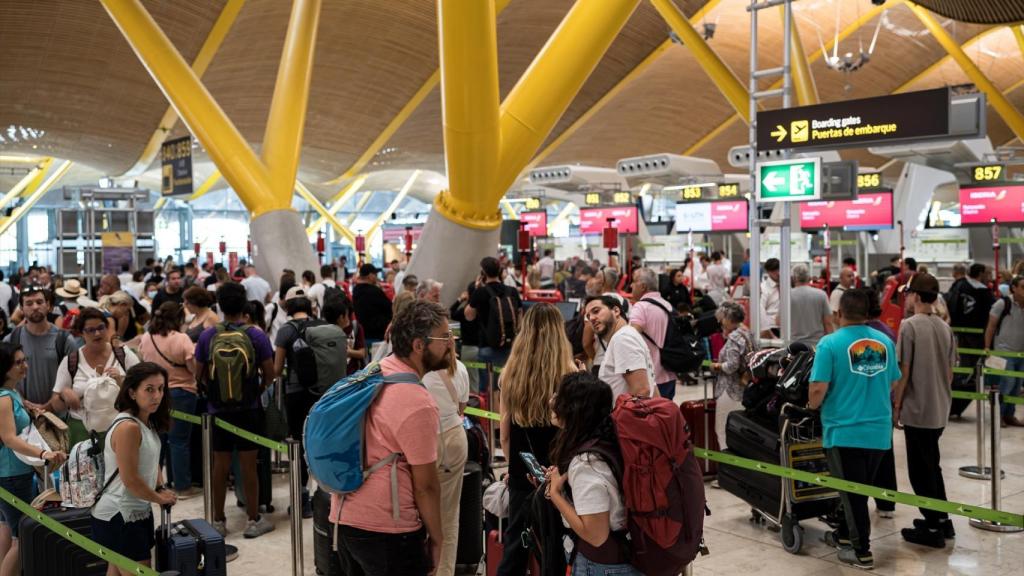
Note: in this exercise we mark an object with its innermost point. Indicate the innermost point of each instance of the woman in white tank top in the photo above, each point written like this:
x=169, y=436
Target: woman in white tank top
x=122, y=519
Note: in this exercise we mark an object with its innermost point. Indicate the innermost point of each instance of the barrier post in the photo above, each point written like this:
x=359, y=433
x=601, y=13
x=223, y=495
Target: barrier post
x=980, y=471
x=207, y=428
x=996, y=423
x=493, y=407
x=278, y=400
x=295, y=484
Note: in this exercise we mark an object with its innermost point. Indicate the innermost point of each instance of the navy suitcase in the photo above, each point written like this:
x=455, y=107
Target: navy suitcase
x=189, y=547
x=325, y=558
x=45, y=552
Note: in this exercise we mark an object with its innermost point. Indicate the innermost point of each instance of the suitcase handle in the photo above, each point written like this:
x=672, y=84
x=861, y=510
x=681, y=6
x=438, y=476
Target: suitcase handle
x=165, y=520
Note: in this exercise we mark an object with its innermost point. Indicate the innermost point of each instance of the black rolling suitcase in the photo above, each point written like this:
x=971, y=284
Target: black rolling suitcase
x=471, y=518
x=45, y=552
x=189, y=547
x=325, y=558
x=748, y=438
x=760, y=490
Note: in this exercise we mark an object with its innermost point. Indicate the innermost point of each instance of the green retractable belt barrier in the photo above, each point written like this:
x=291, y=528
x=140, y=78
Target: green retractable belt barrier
x=77, y=539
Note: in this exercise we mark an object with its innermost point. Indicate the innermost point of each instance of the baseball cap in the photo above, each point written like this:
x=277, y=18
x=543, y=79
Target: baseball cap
x=294, y=292
x=923, y=282
x=367, y=269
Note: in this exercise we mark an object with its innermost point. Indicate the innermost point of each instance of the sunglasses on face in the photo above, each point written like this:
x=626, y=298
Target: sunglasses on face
x=96, y=329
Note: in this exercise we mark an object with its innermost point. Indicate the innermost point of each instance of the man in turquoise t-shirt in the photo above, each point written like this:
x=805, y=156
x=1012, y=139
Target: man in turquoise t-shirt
x=854, y=372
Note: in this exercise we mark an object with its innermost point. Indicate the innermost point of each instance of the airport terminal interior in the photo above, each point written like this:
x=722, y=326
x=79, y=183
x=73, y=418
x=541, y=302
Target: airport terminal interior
x=837, y=143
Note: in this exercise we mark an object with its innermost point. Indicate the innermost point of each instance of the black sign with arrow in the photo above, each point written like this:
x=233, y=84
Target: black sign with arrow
x=864, y=122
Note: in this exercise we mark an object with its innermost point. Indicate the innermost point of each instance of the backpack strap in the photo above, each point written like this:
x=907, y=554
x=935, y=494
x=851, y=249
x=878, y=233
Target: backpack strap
x=120, y=356
x=152, y=339
x=16, y=337
x=1007, y=303
x=393, y=458
x=273, y=315
x=73, y=364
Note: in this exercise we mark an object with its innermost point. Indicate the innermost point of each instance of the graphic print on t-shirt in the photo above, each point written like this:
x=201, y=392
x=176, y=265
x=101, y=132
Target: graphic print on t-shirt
x=868, y=357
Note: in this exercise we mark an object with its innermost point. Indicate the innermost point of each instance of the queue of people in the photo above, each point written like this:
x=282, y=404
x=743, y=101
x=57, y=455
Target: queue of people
x=219, y=340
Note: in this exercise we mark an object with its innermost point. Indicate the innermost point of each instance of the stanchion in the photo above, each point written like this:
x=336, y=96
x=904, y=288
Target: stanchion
x=980, y=471
x=208, y=466
x=990, y=525
x=277, y=465
x=295, y=484
x=493, y=407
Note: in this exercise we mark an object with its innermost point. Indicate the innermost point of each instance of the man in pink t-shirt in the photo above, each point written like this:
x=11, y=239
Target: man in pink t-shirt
x=650, y=318
x=403, y=419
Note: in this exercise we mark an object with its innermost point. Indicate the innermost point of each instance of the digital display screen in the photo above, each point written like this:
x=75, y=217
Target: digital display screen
x=536, y=223
x=723, y=216
x=871, y=211
x=980, y=205
x=594, y=220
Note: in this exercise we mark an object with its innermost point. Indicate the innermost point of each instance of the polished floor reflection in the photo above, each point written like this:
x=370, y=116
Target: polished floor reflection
x=740, y=547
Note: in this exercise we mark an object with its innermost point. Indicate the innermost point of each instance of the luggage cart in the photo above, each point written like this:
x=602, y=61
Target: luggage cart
x=800, y=447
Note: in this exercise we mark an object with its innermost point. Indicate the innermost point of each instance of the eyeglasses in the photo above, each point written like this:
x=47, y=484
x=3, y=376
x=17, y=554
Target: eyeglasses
x=447, y=337
x=96, y=330
x=21, y=361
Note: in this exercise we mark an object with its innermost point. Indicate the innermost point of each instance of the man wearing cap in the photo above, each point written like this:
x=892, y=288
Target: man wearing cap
x=926, y=350
x=373, y=309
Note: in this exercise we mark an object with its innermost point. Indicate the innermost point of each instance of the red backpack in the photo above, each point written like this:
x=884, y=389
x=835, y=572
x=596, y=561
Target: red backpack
x=662, y=485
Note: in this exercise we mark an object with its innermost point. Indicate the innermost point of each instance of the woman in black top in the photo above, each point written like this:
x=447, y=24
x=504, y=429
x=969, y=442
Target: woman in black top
x=676, y=291
x=541, y=355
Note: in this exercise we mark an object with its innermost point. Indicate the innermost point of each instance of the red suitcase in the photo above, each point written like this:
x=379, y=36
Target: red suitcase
x=696, y=412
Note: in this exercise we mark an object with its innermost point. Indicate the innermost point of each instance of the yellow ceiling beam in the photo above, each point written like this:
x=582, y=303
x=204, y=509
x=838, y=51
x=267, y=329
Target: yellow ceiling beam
x=34, y=197
x=1006, y=110
x=1018, y=33
x=324, y=213
x=28, y=184
x=206, y=186
x=393, y=206
x=942, y=61
x=359, y=207
x=15, y=159
x=510, y=211
x=337, y=202
x=716, y=69
x=866, y=17
x=218, y=32
x=803, y=79
x=566, y=211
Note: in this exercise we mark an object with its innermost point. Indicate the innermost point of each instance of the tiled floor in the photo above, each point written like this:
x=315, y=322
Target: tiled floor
x=739, y=547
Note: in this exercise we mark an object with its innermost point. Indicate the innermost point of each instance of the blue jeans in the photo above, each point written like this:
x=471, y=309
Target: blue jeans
x=1010, y=386
x=584, y=567
x=497, y=357
x=179, y=439
x=20, y=486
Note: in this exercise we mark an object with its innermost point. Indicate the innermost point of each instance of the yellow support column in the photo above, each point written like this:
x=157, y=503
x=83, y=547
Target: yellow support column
x=803, y=80
x=1002, y=106
x=337, y=202
x=549, y=85
x=34, y=197
x=324, y=213
x=469, y=84
x=719, y=72
x=193, y=102
x=282, y=140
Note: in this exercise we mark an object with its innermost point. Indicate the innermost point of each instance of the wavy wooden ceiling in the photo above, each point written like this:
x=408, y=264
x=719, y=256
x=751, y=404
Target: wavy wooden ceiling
x=65, y=69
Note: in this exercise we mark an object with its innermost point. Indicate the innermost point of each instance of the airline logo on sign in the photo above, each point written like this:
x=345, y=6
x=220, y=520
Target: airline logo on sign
x=788, y=180
x=594, y=220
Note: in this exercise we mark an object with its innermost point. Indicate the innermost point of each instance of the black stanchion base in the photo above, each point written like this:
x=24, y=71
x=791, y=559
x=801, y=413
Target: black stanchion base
x=978, y=473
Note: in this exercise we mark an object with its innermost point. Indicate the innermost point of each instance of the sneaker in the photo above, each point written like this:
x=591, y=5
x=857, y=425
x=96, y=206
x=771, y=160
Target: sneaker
x=887, y=514
x=220, y=526
x=258, y=527
x=833, y=539
x=190, y=492
x=924, y=537
x=715, y=484
x=851, y=557
x=945, y=526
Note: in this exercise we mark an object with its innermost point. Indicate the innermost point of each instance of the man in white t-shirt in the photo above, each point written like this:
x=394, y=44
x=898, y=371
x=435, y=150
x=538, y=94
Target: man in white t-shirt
x=256, y=288
x=847, y=277
x=317, y=291
x=627, y=366
x=546, y=265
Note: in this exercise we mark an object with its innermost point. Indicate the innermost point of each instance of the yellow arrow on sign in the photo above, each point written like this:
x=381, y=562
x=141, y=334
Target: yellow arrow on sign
x=780, y=133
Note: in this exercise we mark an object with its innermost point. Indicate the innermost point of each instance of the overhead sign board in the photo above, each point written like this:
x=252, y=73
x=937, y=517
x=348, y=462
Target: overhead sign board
x=870, y=181
x=863, y=122
x=981, y=205
x=396, y=234
x=720, y=216
x=594, y=220
x=176, y=167
x=704, y=192
x=870, y=211
x=535, y=223
x=532, y=203
x=592, y=199
x=789, y=180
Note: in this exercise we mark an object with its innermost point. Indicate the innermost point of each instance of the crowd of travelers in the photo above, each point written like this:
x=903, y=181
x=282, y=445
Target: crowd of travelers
x=113, y=363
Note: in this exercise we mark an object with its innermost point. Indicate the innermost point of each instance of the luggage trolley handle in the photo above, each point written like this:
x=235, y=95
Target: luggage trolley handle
x=798, y=414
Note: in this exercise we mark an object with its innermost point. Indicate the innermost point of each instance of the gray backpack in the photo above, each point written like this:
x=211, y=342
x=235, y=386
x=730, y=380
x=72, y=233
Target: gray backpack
x=319, y=354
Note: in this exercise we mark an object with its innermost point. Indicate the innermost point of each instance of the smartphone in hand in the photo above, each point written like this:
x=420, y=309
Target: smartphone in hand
x=533, y=466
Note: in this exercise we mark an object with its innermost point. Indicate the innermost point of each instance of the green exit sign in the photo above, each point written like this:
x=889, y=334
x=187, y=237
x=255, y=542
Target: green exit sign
x=789, y=180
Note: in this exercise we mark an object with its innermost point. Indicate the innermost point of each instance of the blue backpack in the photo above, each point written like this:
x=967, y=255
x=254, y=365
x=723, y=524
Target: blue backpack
x=334, y=433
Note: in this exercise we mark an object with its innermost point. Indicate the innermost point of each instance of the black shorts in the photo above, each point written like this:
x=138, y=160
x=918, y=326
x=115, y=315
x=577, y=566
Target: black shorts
x=133, y=540
x=248, y=420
